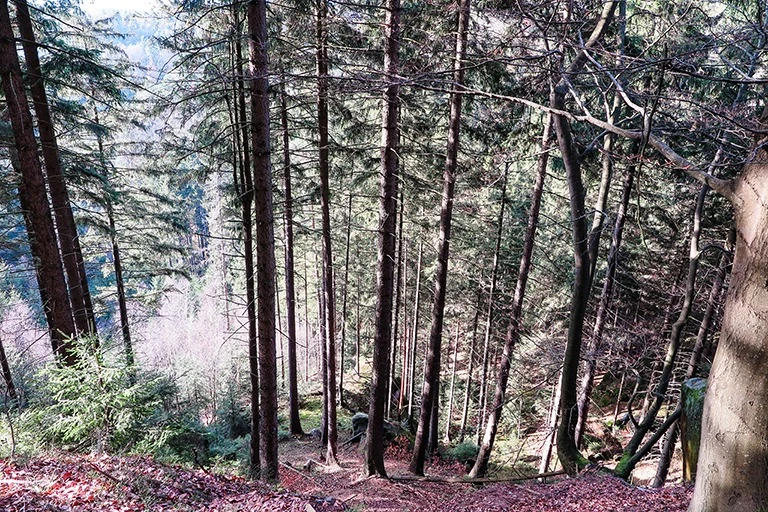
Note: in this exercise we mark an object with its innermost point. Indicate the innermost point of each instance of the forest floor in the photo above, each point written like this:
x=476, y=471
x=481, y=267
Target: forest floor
x=67, y=482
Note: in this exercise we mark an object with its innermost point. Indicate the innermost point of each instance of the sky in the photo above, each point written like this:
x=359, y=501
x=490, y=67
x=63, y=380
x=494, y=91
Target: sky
x=111, y=6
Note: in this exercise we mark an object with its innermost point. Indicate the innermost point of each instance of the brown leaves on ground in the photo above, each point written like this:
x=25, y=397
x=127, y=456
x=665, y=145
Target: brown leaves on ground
x=64, y=482
x=588, y=493
x=84, y=483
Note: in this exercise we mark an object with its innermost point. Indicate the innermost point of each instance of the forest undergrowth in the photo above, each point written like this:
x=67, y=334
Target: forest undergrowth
x=58, y=481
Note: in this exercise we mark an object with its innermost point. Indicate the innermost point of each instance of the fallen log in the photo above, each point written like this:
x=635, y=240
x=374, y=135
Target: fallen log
x=462, y=480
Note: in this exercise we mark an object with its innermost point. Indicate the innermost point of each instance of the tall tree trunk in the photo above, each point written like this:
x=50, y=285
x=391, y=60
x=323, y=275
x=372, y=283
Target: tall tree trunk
x=470, y=370
x=516, y=313
x=430, y=389
x=263, y=216
x=346, y=298
x=730, y=473
x=122, y=303
x=243, y=181
x=447, y=435
x=483, y=398
x=34, y=202
x=567, y=450
x=415, y=333
x=595, y=342
x=294, y=421
x=66, y=230
x=396, y=313
x=374, y=452
x=325, y=199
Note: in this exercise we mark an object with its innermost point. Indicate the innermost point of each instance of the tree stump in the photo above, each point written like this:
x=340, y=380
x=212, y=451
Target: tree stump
x=693, y=391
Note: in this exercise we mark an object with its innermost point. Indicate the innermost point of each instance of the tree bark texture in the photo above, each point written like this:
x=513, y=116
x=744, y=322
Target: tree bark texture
x=732, y=474
x=265, y=240
x=374, y=452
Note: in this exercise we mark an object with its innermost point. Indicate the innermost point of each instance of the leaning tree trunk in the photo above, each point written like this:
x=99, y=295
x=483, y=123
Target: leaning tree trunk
x=66, y=229
x=34, y=202
x=374, y=451
x=706, y=323
x=429, y=394
x=516, y=313
x=567, y=450
x=595, y=342
x=265, y=240
x=483, y=396
x=633, y=451
x=329, y=321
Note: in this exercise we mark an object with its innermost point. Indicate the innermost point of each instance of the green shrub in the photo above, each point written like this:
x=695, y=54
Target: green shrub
x=466, y=453
x=97, y=403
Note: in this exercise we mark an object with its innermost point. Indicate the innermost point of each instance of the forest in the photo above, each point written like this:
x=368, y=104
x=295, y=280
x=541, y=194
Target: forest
x=384, y=255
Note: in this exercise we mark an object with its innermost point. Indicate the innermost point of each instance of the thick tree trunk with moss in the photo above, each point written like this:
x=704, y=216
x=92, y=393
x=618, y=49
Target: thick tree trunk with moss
x=385, y=274
x=34, y=201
